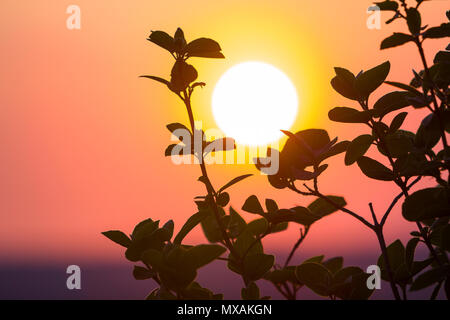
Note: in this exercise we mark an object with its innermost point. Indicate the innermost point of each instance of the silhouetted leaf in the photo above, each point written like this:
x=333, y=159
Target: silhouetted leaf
x=258, y=226
x=403, y=86
x=271, y=206
x=163, y=81
x=430, y=277
x=429, y=132
x=334, y=150
x=236, y=224
x=163, y=40
x=396, y=255
x=179, y=41
x=375, y=170
x=223, y=199
x=390, y=102
x=397, y=121
x=251, y=292
x=357, y=148
x=257, y=265
x=141, y=273
x=118, y=237
x=334, y=264
x=234, y=181
x=153, y=258
x=203, y=47
x=370, y=80
x=211, y=227
x=203, y=254
x=321, y=208
x=222, y=144
x=190, y=224
x=437, y=32
x=426, y=203
x=387, y=5
x=179, y=130
x=414, y=20
x=409, y=252
x=168, y=227
x=397, y=39
x=297, y=214
x=344, y=83
x=349, y=115
x=399, y=143
x=445, y=237
x=181, y=76
x=252, y=205
x=315, y=276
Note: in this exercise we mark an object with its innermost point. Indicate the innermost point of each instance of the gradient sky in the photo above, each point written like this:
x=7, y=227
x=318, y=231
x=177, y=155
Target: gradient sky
x=82, y=138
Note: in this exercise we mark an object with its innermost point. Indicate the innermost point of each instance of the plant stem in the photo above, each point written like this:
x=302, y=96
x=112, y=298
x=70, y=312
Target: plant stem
x=382, y=242
x=297, y=244
x=209, y=187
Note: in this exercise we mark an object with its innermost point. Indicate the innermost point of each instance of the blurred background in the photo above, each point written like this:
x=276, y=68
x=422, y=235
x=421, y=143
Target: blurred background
x=82, y=138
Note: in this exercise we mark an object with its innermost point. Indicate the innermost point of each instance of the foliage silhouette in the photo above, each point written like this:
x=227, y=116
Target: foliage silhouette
x=404, y=158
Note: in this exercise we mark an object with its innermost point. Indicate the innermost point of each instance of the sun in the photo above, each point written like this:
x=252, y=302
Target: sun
x=253, y=101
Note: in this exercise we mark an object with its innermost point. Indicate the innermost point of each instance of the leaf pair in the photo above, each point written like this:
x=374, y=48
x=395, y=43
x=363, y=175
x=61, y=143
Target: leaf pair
x=359, y=87
x=202, y=47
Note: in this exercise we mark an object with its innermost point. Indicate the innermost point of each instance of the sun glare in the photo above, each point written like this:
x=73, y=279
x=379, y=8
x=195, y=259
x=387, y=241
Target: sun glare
x=253, y=101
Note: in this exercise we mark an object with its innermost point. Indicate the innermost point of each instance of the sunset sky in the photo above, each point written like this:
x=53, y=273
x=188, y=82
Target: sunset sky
x=82, y=137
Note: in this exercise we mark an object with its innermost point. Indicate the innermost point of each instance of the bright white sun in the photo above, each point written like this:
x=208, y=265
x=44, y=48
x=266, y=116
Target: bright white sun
x=253, y=101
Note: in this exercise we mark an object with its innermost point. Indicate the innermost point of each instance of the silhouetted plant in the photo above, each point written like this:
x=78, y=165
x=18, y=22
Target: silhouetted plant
x=173, y=265
x=411, y=156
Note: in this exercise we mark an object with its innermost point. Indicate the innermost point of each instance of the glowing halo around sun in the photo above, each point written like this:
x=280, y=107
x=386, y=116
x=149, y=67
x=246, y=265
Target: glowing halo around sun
x=253, y=101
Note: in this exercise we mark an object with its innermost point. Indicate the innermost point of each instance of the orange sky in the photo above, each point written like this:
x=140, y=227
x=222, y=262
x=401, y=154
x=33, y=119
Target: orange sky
x=82, y=138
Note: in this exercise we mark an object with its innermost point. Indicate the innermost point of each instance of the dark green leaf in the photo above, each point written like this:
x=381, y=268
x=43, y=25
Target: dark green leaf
x=397, y=39
x=429, y=277
x=271, y=206
x=251, y=292
x=438, y=32
x=375, y=170
x=118, y=237
x=236, y=224
x=315, y=276
x=370, y=80
x=396, y=255
x=409, y=252
x=190, y=224
x=321, y=208
x=397, y=121
x=203, y=254
x=257, y=265
x=258, y=226
x=387, y=5
x=298, y=214
x=414, y=20
x=344, y=83
x=164, y=81
x=357, y=148
x=141, y=273
x=445, y=237
x=204, y=47
x=222, y=144
x=334, y=264
x=252, y=205
x=163, y=40
x=390, y=102
x=234, y=181
x=425, y=204
x=223, y=199
x=398, y=143
x=349, y=115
